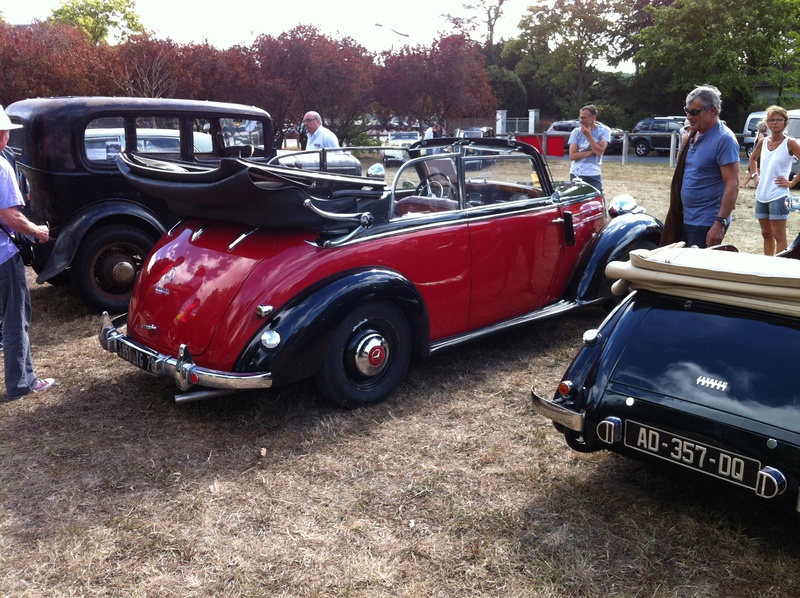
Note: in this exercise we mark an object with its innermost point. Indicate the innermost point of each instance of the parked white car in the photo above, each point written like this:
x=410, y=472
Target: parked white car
x=400, y=139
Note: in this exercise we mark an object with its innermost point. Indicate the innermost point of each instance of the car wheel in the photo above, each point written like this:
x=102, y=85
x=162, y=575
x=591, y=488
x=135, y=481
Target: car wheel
x=642, y=148
x=367, y=357
x=106, y=265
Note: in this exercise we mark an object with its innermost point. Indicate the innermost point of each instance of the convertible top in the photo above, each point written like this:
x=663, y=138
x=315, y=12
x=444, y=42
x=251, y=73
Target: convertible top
x=255, y=194
x=760, y=282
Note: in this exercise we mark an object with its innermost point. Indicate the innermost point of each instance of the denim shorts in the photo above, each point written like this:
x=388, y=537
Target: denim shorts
x=776, y=209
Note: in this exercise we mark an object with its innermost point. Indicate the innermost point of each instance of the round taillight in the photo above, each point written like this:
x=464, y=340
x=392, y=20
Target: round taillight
x=565, y=388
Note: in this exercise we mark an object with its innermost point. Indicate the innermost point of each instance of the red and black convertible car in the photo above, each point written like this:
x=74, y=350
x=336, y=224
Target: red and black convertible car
x=276, y=274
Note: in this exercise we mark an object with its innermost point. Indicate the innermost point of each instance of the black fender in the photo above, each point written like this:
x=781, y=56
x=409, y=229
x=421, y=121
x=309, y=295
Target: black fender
x=71, y=234
x=616, y=240
x=306, y=323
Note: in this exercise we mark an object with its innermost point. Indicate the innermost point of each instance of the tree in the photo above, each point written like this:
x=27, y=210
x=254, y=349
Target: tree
x=100, y=18
x=509, y=90
x=568, y=39
x=734, y=46
x=48, y=59
x=492, y=11
x=303, y=70
x=447, y=80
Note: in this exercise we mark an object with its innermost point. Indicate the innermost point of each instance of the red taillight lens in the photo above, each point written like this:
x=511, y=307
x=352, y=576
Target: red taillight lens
x=565, y=388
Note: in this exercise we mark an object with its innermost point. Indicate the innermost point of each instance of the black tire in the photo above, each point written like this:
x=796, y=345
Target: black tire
x=367, y=356
x=642, y=148
x=105, y=266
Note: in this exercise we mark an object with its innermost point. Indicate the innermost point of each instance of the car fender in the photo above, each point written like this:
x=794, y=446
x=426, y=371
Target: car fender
x=71, y=234
x=616, y=240
x=306, y=323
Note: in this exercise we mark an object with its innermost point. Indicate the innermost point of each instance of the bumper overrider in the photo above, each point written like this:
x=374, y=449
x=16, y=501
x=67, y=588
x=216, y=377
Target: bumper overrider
x=561, y=415
x=181, y=369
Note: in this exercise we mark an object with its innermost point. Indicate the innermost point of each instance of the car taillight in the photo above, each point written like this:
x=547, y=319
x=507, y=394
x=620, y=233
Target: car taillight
x=565, y=388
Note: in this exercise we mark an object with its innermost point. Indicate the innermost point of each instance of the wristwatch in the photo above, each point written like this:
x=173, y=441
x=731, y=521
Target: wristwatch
x=722, y=221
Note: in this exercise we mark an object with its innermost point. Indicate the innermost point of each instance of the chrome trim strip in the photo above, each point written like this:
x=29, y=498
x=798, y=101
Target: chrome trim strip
x=181, y=369
x=546, y=312
x=241, y=238
x=560, y=415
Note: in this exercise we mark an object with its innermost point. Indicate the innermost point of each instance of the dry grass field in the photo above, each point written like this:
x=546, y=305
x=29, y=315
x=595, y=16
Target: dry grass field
x=451, y=488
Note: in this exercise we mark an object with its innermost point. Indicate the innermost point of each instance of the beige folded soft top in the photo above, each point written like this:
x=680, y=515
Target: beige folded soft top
x=760, y=282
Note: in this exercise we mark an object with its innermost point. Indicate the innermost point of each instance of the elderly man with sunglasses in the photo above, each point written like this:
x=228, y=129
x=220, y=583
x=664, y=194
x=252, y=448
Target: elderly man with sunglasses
x=707, y=177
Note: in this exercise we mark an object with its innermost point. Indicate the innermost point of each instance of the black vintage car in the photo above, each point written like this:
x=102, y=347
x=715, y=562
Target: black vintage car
x=101, y=228
x=695, y=369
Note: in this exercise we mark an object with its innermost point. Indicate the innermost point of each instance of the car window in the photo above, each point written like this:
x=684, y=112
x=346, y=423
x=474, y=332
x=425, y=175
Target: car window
x=237, y=133
x=425, y=187
x=499, y=178
x=104, y=138
x=659, y=127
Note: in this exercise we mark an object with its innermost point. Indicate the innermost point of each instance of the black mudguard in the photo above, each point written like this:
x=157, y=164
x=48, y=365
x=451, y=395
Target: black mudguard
x=306, y=323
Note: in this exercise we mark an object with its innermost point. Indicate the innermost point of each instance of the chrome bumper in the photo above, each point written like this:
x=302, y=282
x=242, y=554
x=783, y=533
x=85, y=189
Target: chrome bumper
x=181, y=369
x=560, y=415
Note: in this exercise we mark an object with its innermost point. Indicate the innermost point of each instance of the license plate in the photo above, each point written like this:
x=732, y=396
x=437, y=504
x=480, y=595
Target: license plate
x=692, y=454
x=137, y=357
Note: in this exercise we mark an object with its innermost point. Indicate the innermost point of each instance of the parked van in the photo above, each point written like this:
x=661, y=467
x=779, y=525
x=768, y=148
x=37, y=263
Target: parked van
x=750, y=131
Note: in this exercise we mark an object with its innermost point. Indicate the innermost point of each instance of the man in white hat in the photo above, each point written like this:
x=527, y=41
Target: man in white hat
x=15, y=298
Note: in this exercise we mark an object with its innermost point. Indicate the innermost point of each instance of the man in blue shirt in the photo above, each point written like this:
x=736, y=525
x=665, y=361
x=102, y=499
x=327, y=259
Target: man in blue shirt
x=587, y=143
x=710, y=183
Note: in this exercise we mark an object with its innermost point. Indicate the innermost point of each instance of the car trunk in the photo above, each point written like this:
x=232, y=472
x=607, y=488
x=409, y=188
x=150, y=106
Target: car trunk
x=713, y=357
x=188, y=283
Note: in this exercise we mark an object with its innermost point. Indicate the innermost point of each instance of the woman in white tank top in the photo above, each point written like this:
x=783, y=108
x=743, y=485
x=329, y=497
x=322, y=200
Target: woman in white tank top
x=776, y=151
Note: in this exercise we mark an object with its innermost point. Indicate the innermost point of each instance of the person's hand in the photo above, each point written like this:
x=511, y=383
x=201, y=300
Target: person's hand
x=715, y=234
x=42, y=233
x=782, y=182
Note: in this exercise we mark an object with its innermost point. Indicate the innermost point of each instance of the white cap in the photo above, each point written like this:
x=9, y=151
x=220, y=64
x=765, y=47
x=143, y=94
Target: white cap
x=5, y=122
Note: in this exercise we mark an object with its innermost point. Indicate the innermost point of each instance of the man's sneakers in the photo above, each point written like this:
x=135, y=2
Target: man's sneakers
x=43, y=384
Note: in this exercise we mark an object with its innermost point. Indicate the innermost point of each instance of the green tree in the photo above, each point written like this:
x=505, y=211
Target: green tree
x=566, y=40
x=509, y=90
x=100, y=18
x=737, y=47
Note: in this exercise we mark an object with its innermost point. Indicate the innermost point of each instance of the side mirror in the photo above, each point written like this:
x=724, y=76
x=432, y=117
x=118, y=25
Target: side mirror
x=376, y=171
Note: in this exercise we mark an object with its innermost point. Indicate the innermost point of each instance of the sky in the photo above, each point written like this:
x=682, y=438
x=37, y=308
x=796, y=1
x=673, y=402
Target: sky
x=224, y=24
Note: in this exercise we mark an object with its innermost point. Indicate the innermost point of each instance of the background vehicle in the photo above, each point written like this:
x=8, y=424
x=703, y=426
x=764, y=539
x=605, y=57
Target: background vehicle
x=274, y=276
x=750, y=131
x=690, y=370
x=474, y=132
x=400, y=139
x=566, y=127
x=645, y=142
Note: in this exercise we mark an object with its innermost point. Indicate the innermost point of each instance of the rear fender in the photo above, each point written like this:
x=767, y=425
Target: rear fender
x=71, y=234
x=617, y=239
x=306, y=323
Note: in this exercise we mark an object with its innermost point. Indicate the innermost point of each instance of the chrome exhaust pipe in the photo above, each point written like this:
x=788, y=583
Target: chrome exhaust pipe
x=202, y=395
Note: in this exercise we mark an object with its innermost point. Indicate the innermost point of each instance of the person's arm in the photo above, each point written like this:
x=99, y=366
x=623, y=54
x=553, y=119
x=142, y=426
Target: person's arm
x=730, y=174
x=753, y=164
x=782, y=181
x=15, y=220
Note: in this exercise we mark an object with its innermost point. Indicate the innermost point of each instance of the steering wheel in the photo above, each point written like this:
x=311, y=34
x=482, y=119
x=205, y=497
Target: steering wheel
x=428, y=184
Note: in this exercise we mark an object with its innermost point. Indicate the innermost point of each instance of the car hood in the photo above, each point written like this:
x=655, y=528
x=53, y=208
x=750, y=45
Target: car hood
x=682, y=353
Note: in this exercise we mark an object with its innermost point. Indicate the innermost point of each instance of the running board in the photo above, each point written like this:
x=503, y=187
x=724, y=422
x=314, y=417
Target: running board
x=550, y=311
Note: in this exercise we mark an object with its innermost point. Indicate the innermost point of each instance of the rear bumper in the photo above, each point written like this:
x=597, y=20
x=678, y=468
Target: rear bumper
x=181, y=369
x=560, y=415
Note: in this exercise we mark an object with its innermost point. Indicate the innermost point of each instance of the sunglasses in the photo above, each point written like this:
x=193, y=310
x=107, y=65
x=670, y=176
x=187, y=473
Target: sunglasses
x=693, y=112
